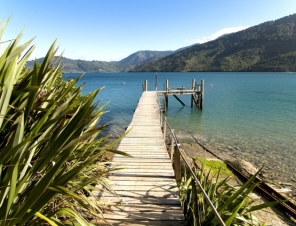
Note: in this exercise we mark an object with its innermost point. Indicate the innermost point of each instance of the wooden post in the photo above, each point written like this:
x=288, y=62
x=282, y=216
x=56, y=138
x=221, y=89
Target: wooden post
x=167, y=101
x=193, y=88
x=164, y=103
x=161, y=119
x=166, y=85
x=145, y=88
x=166, y=88
x=160, y=116
x=177, y=163
x=172, y=145
x=201, y=94
x=164, y=128
x=175, y=155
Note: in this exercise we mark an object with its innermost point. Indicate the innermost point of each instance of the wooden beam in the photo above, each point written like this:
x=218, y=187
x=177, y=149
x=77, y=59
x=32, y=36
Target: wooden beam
x=179, y=100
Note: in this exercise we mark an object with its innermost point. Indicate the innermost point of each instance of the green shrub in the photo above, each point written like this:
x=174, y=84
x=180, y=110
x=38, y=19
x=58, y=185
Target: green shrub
x=50, y=143
x=233, y=203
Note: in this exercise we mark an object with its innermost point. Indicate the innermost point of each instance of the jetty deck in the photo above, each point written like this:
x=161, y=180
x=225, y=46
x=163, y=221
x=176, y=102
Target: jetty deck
x=144, y=185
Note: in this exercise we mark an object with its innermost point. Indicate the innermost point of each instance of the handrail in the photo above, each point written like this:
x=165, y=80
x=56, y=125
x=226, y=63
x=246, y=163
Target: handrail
x=166, y=125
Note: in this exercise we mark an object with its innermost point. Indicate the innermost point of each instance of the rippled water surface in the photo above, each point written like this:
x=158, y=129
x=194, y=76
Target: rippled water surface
x=252, y=115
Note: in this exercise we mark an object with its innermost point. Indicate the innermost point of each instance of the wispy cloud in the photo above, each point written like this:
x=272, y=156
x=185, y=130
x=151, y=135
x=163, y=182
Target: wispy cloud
x=217, y=34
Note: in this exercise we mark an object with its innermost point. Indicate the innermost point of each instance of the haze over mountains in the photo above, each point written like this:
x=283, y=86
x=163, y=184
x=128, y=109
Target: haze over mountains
x=270, y=46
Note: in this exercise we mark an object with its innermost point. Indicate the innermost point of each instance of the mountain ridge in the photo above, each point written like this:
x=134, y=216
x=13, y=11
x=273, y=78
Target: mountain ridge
x=270, y=46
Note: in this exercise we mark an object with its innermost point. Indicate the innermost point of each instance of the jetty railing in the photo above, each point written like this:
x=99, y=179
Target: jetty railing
x=176, y=154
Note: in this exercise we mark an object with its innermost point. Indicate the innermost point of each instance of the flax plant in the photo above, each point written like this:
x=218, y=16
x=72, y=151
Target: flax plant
x=50, y=143
x=233, y=203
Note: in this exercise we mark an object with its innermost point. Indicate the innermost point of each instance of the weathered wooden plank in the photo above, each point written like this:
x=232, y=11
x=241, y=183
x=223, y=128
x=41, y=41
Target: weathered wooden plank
x=146, y=215
x=140, y=183
x=145, y=170
x=136, y=165
x=132, y=222
x=142, y=174
x=147, y=208
x=144, y=194
x=141, y=160
x=139, y=200
x=140, y=178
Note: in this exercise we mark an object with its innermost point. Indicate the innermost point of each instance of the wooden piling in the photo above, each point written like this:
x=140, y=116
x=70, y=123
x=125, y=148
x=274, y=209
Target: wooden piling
x=145, y=86
x=193, y=88
x=177, y=164
x=172, y=146
x=164, y=128
x=202, y=93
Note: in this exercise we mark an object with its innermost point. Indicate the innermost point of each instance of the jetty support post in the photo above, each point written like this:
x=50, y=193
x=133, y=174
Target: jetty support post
x=164, y=103
x=145, y=86
x=172, y=145
x=201, y=95
x=193, y=88
x=161, y=119
x=164, y=128
x=166, y=99
x=177, y=163
x=175, y=157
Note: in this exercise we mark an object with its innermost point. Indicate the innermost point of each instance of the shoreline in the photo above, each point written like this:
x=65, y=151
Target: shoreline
x=194, y=149
x=269, y=172
x=273, y=214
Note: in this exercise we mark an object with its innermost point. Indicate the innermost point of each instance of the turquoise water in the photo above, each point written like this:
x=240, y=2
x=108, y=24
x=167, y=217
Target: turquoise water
x=251, y=115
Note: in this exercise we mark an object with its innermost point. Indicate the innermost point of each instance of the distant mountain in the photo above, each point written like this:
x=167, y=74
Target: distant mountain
x=270, y=46
x=81, y=66
x=128, y=63
x=144, y=56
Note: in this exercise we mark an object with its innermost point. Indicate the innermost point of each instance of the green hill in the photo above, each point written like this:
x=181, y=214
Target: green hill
x=126, y=64
x=270, y=46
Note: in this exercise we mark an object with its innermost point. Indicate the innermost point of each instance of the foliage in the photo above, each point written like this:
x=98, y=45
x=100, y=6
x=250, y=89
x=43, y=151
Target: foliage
x=269, y=46
x=232, y=203
x=50, y=143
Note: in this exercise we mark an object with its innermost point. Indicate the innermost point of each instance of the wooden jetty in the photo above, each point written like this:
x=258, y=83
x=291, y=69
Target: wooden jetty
x=144, y=185
x=195, y=90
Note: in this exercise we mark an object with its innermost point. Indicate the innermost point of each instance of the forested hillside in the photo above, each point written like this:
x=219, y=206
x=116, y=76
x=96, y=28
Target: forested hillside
x=270, y=46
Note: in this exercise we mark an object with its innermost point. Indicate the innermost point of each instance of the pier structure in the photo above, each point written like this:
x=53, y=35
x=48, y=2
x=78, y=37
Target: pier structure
x=146, y=185
x=195, y=90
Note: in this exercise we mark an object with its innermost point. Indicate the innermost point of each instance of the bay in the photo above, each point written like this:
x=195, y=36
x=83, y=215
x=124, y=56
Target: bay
x=249, y=115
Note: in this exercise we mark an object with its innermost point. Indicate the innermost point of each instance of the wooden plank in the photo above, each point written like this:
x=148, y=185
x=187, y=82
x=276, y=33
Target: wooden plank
x=117, y=187
x=139, y=200
x=146, y=215
x=146, y=208
x=143, y=183
x=144, y=194
x=139, y=178
x=132, y=222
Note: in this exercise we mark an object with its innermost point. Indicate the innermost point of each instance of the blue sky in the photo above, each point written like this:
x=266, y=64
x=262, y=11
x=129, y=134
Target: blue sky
x=113, y=29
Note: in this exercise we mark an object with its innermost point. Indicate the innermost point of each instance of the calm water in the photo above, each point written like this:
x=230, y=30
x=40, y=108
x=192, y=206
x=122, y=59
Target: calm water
x=252, y=115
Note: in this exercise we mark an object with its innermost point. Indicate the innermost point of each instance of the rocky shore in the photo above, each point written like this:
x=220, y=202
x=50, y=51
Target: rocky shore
x=273, y=215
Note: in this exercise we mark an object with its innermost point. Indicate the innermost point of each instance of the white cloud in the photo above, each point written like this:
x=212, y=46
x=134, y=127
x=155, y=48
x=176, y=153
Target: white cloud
x=217, y=34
